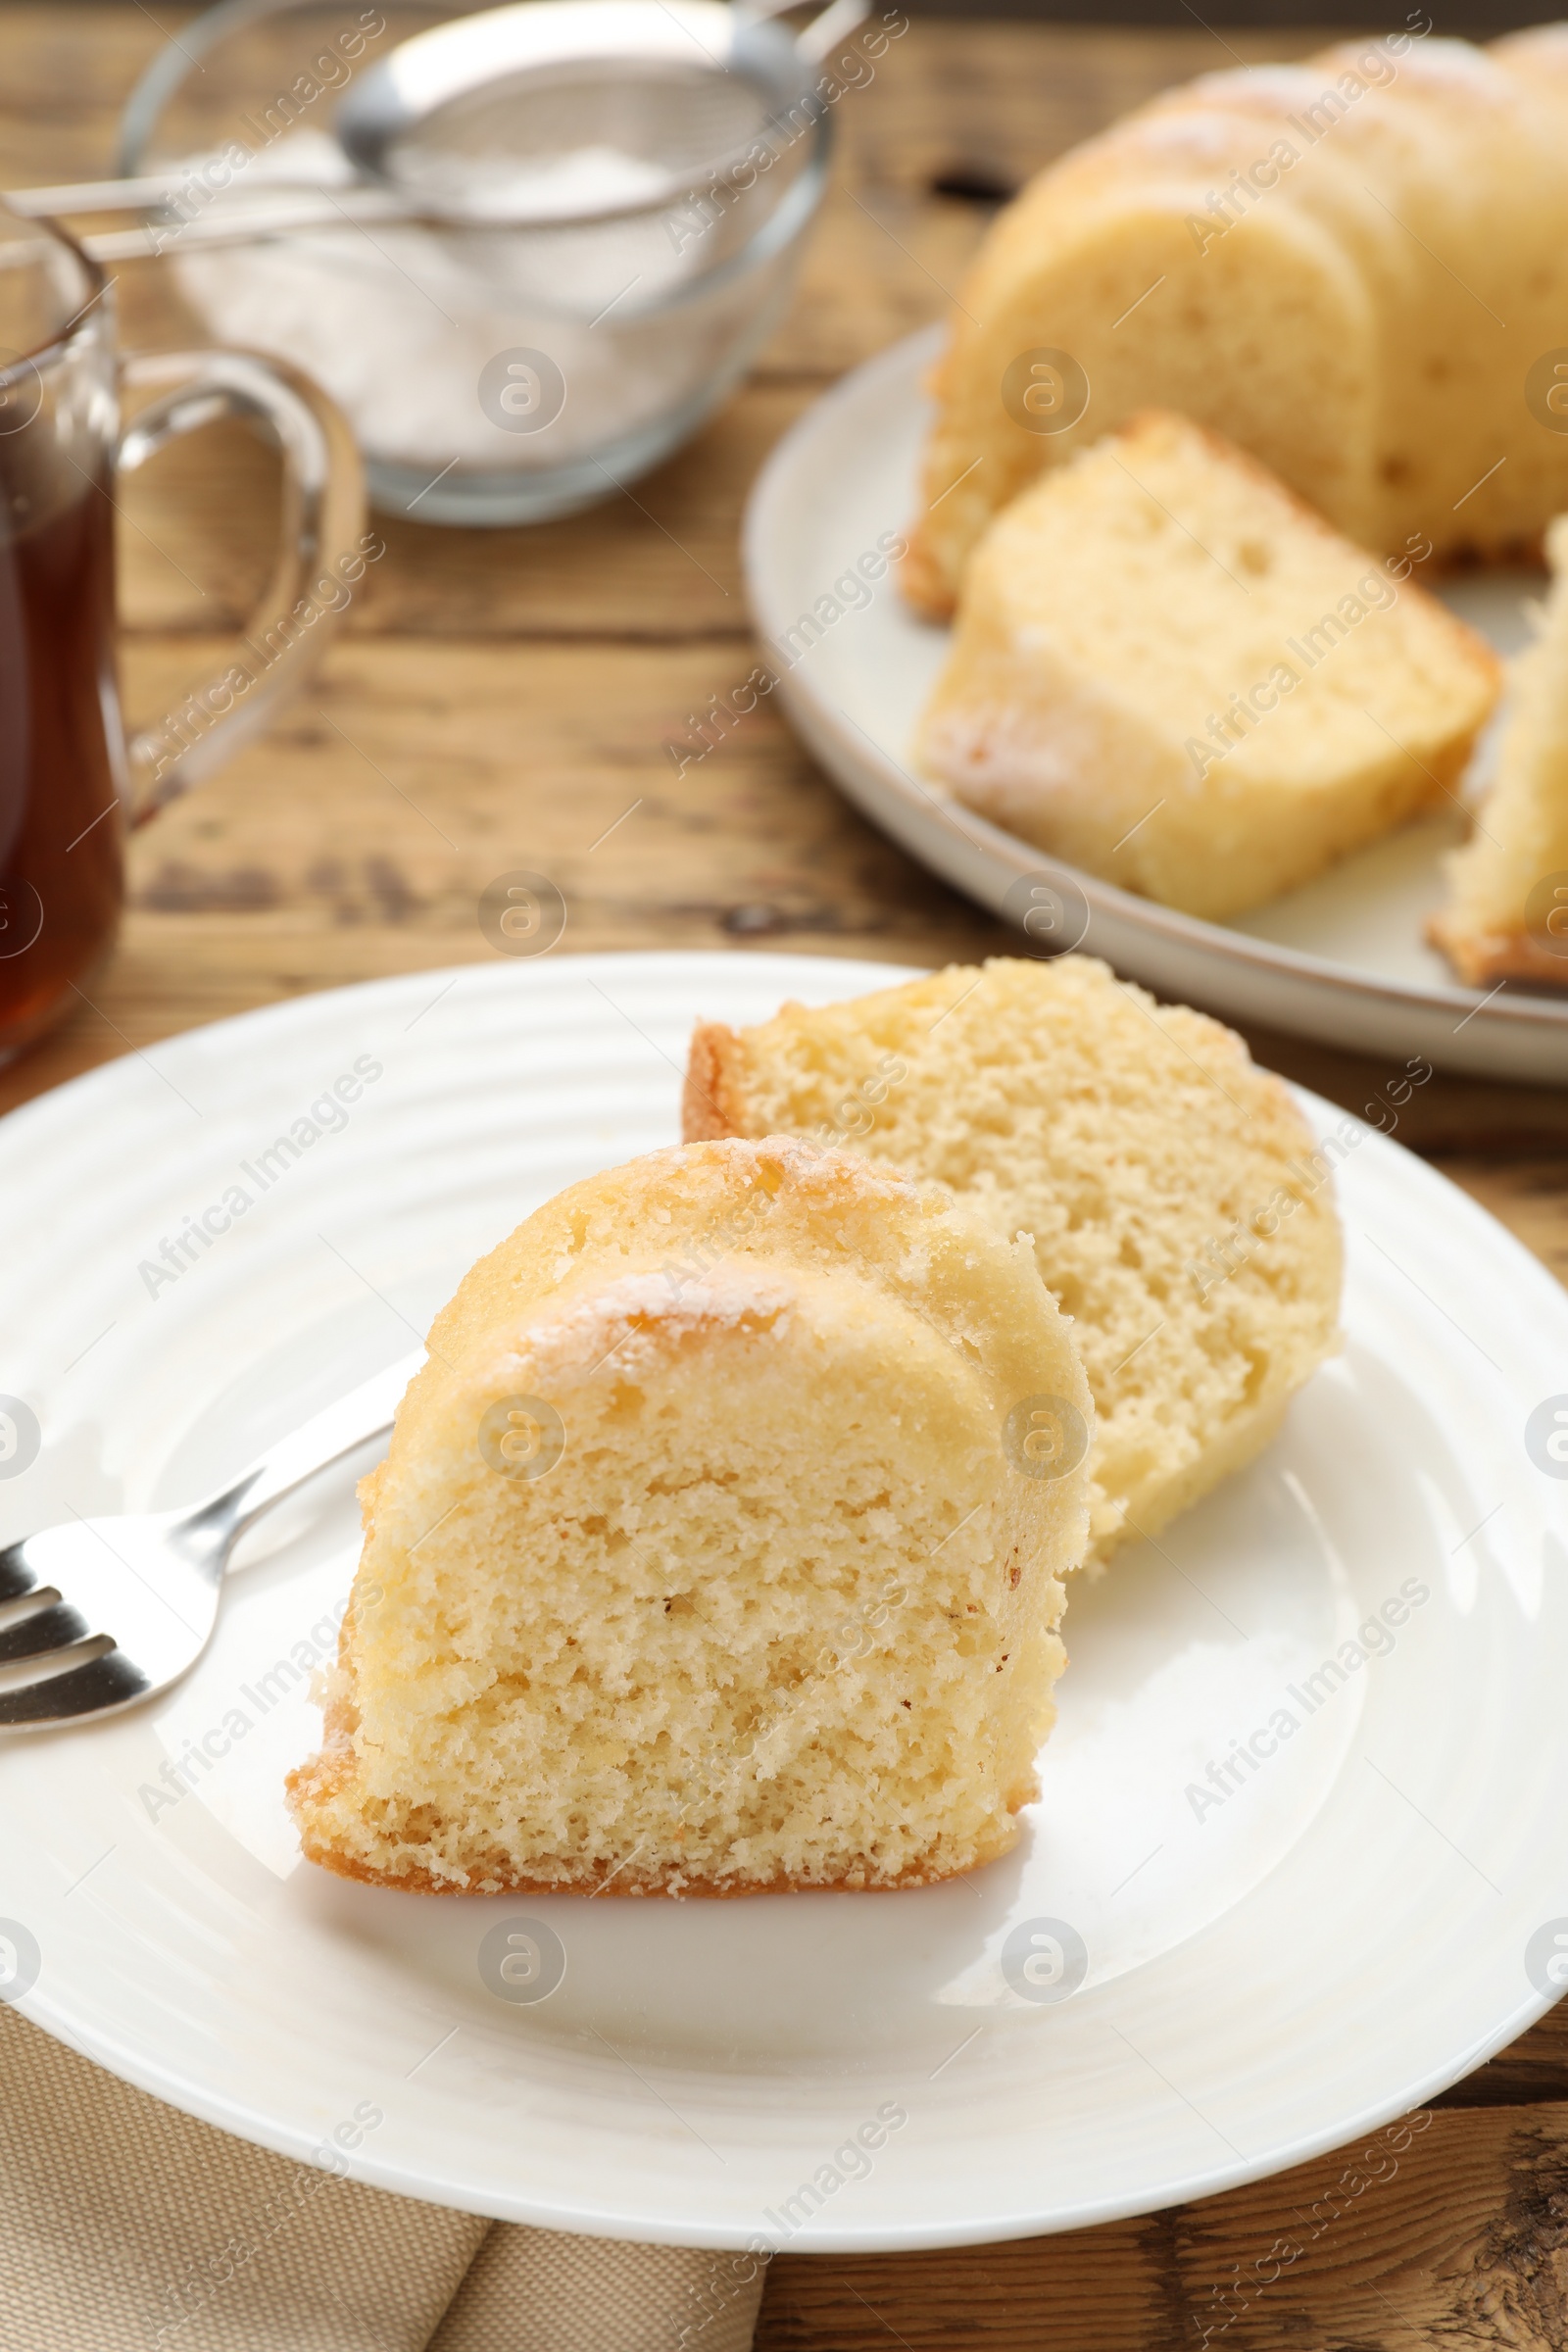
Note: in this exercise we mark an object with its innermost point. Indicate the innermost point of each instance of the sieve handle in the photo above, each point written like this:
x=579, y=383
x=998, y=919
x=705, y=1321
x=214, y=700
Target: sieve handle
x=823, y=35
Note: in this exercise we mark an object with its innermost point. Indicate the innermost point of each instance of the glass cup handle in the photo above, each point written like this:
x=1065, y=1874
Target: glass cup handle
x=321, y=552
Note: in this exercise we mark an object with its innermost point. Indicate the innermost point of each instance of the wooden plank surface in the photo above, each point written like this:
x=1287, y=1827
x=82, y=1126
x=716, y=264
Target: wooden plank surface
x=499, y=699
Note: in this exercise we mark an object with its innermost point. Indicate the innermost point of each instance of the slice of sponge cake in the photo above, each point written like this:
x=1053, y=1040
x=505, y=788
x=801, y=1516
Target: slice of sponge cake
x=1179, y=1211
x=720, y=1547
x=1508, y=915
x=1170, y=673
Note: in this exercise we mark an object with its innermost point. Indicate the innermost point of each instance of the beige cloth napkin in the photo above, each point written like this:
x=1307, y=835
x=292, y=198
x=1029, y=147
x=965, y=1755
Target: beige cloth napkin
x=126, y=2225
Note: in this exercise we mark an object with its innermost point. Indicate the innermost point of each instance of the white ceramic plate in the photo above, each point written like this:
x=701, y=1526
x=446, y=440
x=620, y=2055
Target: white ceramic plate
x=1343, y=959
x=1267, y=1975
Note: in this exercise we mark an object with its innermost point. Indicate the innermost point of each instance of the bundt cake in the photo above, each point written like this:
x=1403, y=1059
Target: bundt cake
x=1354, y=267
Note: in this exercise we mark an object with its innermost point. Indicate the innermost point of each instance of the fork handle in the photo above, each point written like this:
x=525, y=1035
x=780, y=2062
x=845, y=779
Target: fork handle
x=366, y=1412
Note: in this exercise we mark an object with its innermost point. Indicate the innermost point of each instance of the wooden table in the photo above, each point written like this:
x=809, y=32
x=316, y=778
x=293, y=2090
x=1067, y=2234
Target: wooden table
x=502, y=699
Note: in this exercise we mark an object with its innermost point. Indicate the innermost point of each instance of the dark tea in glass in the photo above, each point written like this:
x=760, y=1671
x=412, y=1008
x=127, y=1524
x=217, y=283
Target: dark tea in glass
x=62, y=801
x=70, y=785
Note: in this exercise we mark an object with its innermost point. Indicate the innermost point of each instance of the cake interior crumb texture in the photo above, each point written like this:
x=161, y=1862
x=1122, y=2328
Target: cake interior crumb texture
x=779, y=1609
x=1180, y=1209
x=1170, y=673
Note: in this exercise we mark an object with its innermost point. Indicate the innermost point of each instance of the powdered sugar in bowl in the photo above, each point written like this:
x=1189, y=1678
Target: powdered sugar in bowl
x=632, y=209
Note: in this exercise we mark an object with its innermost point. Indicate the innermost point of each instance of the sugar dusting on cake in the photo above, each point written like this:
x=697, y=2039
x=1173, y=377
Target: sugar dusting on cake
x=635, y=1317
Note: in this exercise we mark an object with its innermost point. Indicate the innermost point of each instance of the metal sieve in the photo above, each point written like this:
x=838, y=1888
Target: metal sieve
x=485, y=116
x=541, y=113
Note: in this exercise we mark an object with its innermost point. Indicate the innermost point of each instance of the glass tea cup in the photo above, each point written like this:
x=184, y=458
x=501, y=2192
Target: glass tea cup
x=71, y=783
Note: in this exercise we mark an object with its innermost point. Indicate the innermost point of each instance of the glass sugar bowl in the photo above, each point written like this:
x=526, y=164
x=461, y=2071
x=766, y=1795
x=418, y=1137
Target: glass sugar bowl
x=607, y=230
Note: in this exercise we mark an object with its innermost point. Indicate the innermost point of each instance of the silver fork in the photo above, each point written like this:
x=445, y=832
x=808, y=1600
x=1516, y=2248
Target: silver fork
x=100, y=1614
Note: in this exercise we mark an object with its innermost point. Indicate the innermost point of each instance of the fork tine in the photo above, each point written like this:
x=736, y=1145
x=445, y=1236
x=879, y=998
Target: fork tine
x=16, y=1577
x=105, y=1681
x=48, y=1629
x=55, y=1627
